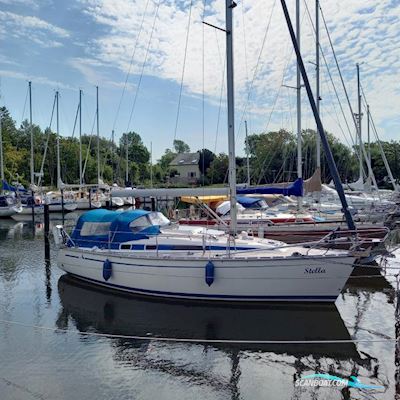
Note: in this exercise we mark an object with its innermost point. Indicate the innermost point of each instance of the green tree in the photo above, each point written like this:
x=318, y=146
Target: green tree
x=181, y=147
x=217, y=171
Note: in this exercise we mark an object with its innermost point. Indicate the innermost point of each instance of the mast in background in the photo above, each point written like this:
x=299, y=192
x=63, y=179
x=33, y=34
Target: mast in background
x=98, y=135
x=247, y=154
x=317, y=87
x=360, y=144
x=80, y=138
x=112, y=154
x=58, y=143
x=126, y=160
x=1, y=148
x=31, y=129
x=324, y=141
x=298, y=88
x=151, y=164
x=368, y=136
x=229, y=5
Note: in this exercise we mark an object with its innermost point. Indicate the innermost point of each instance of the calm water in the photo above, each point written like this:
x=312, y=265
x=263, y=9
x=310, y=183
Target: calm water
x=49, y=364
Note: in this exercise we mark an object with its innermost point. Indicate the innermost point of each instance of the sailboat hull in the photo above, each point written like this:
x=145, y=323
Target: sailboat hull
x=246, y=279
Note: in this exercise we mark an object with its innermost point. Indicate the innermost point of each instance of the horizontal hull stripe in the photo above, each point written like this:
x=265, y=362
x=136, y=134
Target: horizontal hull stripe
x=186, y=266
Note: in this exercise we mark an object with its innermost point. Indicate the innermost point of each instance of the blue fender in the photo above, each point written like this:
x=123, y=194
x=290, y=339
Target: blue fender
x=210, y=270
x=107, y=269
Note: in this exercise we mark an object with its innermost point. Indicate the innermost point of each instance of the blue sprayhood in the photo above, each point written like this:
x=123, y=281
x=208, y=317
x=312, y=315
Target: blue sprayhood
x=108, y=229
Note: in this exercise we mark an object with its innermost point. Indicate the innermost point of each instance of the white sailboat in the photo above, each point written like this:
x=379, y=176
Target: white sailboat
x=132, y=251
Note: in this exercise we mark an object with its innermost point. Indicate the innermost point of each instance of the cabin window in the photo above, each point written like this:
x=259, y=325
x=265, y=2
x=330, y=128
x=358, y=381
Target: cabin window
x=157, y=218
x=139, y=224
x=95, y=228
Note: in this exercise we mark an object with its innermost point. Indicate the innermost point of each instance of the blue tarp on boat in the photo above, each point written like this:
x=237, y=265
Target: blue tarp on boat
x=294, y=189
x=247, y=202
x=10, y=188
x=108, y=229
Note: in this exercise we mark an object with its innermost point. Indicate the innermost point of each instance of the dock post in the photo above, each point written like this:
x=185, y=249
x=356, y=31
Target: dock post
x=153, y=204
x=108, y=205
x=46, y=232
x=90, y=199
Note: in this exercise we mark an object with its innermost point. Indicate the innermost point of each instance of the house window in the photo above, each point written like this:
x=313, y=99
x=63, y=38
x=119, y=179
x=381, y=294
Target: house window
x=192, y=174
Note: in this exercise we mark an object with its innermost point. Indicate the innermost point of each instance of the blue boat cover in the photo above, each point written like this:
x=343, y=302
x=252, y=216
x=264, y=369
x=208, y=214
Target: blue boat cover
x=247, y=201
x=110, y=228
x=11, y=188
x=294, y=189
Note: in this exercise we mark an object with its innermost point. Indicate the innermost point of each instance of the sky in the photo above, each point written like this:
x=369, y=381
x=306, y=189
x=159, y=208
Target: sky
x=161, y=71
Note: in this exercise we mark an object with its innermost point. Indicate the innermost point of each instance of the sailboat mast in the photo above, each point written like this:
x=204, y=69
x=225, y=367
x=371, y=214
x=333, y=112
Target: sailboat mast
x=31, y=129
x=360, y=144
x=98, y=135
x=58, y=143
x=298, y=88
x=151, y=164
x=126, y=159
x=1, y=148
x=229, y=5
x=368, y=135
x=247, y=154
x=80, y=139
x=112, y=154
x=317, y=88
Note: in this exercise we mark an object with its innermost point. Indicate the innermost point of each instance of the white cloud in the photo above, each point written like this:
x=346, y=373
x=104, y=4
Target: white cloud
x=361, y=30
x=30, y=27
x=41, y=80
x=30, y=3
x=90, y=69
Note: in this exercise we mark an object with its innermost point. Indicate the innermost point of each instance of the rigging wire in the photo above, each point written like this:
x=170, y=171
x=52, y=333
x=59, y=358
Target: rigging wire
x=255, y=70
x=88, y=147
x=47, y=142
x=343, y=85
x=183, y=69
x=76, y=119
x=344, y=89
x=130, y=66
x=24, y=109
x=143, y=65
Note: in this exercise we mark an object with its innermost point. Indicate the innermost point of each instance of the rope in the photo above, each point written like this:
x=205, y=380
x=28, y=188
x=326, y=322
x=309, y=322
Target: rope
x=199, y=340
x=183, y=69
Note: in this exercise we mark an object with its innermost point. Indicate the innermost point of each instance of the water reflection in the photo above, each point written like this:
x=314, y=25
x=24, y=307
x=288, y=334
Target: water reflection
x=105, y=311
